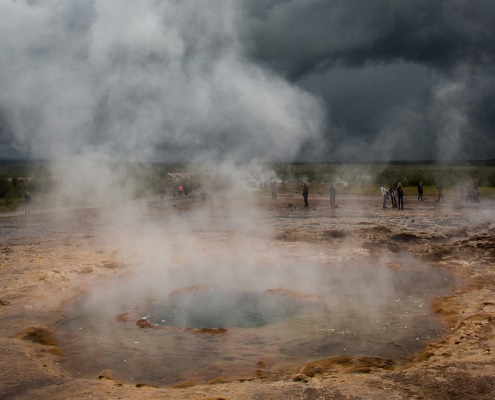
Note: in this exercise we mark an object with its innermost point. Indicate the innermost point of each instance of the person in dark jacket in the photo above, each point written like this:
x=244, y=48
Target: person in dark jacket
x=400, y=196
x=393, y=196
x=305, y=194
x=420, y=191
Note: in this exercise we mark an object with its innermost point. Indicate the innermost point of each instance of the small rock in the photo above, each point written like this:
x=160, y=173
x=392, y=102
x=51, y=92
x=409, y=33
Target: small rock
x=300, y=378
x=143, y=323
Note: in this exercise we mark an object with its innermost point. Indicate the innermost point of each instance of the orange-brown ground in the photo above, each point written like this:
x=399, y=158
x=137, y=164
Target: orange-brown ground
x=48, y=257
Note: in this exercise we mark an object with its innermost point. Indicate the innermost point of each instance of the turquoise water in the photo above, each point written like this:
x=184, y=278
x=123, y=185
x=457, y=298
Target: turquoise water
x=358, y=311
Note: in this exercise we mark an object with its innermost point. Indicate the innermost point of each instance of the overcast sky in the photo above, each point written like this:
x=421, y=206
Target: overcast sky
x=305, y=80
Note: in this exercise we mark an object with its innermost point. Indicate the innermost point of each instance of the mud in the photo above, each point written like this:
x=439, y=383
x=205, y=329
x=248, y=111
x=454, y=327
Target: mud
x=50, y=258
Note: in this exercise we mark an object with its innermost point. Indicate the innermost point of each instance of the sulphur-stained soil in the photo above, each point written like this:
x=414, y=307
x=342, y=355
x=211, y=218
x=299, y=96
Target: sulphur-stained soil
x=50, y=257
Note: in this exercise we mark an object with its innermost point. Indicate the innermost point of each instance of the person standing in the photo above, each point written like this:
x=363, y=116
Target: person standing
x=392, y=193
x=27, y=203
x=384, y=195
x=400, y=196
x=420, y=191
x=440, y=191
x=476, y=191
x=305, y=194
x=469, y=191
x=333, y=193
x=274, y=190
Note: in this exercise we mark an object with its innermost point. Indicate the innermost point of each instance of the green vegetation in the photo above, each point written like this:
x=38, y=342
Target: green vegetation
x=18, y=178
x=450, y=174
x=11, y=191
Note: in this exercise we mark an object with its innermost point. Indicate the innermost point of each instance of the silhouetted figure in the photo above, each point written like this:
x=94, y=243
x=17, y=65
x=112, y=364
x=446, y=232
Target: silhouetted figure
x=469, y=191
x=420, y=191
x=440, y=191
x=27, y=203
x=384, y=192
x=400, y=196
x=333, y=193
x=274, y=190
x=476, y=191
x=392, y=191
x=305, y=194
x=162, y=197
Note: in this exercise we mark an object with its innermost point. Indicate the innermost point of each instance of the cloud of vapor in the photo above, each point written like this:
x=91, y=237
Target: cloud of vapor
x=309, y=80
x=143, y=80
x=379, y=68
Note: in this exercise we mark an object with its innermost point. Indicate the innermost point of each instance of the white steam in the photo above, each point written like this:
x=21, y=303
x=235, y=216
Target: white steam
x=147, y=80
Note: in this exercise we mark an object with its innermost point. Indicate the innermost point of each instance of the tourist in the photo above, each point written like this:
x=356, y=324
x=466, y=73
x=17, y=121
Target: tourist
x=420, y=191
x=27, y=203
x=333, y=193
x=305, y=194
x=384, y=195
x=392, y=191
x=440, y=191
x=400, y=196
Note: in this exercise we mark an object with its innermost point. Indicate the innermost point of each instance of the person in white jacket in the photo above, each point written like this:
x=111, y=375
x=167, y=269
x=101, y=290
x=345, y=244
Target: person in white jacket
x=384, y=195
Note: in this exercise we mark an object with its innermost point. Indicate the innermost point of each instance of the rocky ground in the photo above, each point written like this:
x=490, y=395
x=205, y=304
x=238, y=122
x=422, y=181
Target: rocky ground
x=49, y=257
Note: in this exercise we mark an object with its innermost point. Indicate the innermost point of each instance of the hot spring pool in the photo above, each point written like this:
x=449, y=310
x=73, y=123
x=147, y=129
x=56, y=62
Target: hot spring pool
x=268, y=331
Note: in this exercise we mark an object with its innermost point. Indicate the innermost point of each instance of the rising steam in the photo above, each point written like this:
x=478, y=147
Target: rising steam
x=147, y=80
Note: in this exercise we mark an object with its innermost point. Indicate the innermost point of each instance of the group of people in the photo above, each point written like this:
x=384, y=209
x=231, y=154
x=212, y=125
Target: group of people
x=469, y=192
x=332, y=190
x=396, y=195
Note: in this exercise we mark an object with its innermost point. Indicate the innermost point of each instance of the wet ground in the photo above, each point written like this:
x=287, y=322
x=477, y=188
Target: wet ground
x=400, y=304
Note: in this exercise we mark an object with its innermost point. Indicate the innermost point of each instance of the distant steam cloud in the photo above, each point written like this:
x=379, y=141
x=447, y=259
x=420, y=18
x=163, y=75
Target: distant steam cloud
x=143, y=80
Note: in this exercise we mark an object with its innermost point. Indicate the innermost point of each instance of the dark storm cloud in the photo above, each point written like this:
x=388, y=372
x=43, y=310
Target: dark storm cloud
x=304, y=36
x=254, y=79
x=401, y=80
